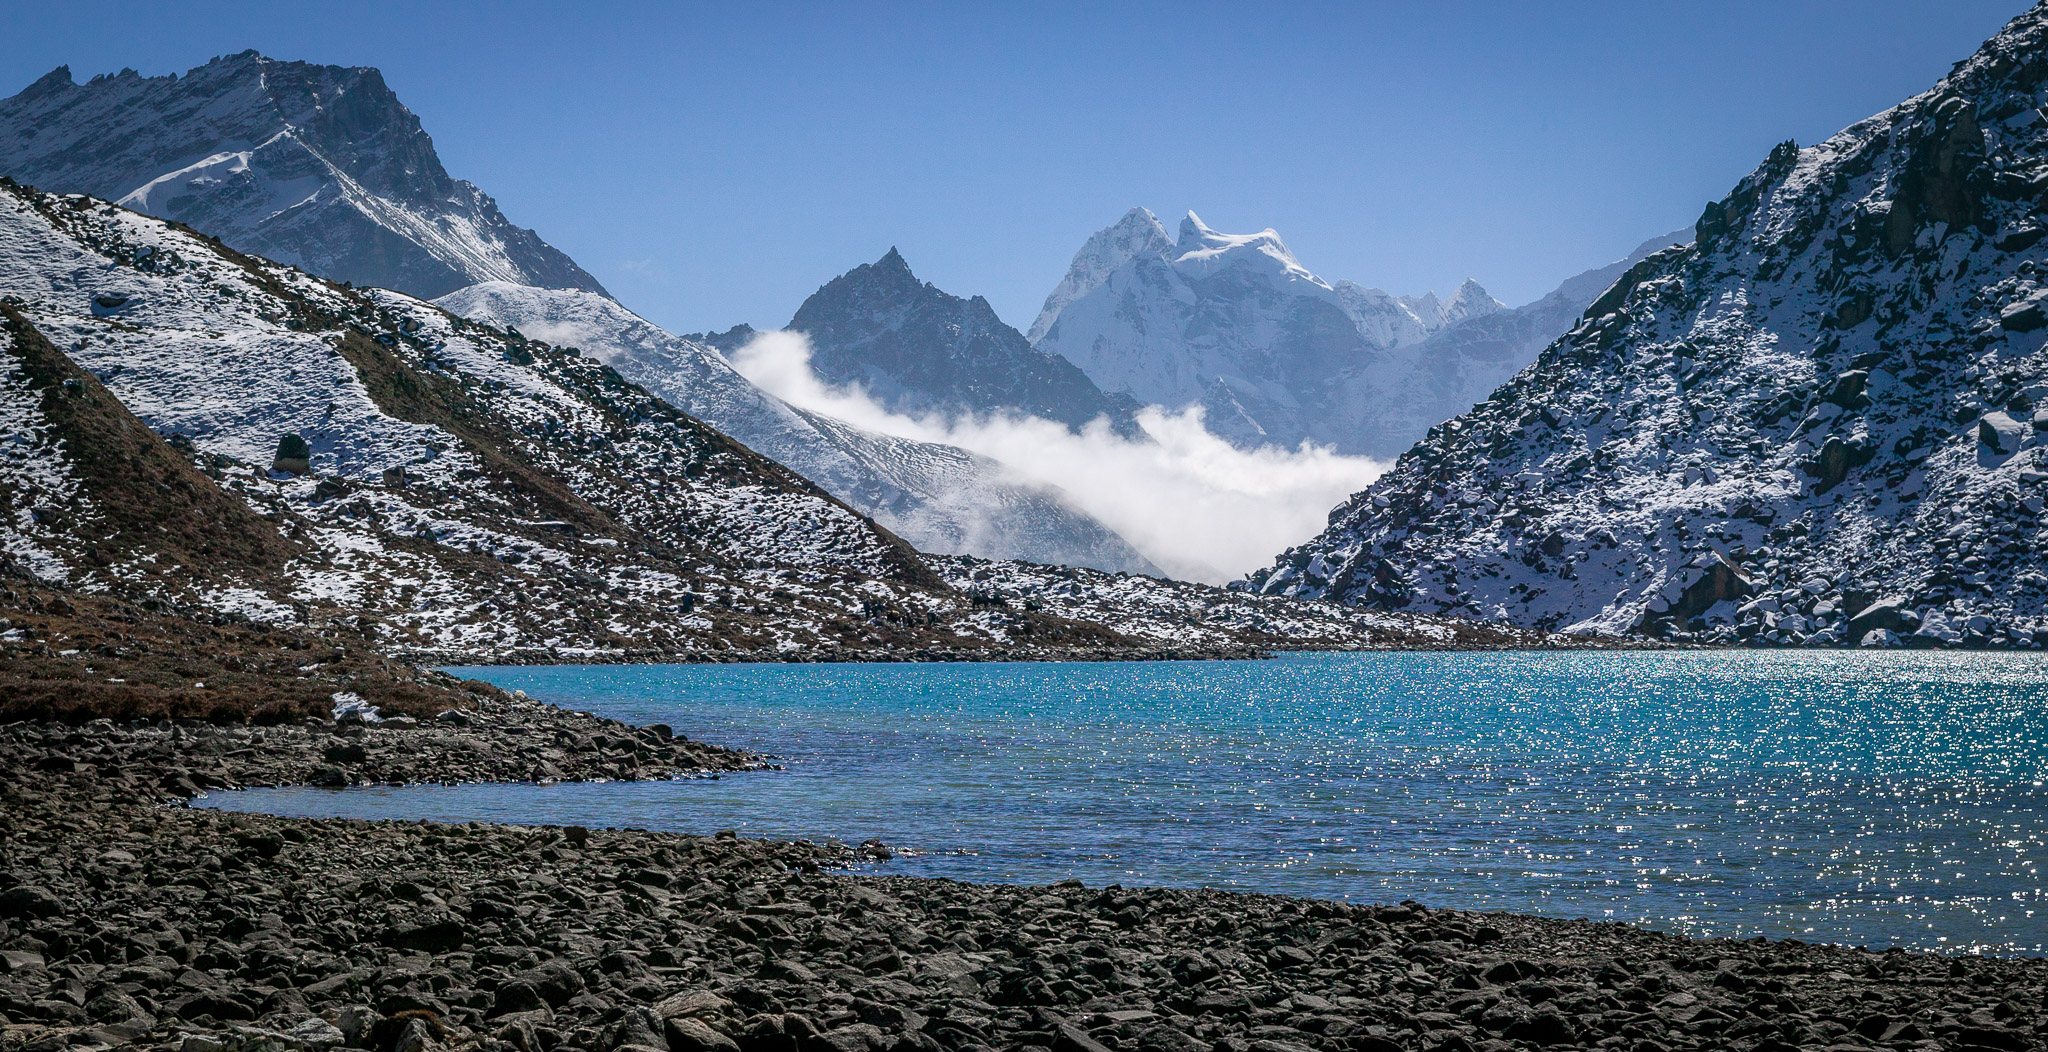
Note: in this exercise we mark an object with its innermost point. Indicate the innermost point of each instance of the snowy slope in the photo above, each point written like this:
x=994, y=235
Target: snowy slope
x=1822, y=423
x=939, y=498
x=919, y=350
x=1276, y=354
x=317, y=166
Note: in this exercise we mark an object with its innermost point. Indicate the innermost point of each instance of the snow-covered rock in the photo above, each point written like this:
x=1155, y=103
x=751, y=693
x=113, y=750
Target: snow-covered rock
x=316, y=166
x=940, y=498
x=1275, y=354
x=1815, y=425
x=917, y=349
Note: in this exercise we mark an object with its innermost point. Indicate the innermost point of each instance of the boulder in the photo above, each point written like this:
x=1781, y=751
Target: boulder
x=1887, y=614
x=294, y=455
x=1847, y=389
x=690, y=1034
x=1721, y=580
x=16, y=961
x=28, y=901
x=1834, y=460
x=2000, y=433
x=692, y=1003
x=2025, y=316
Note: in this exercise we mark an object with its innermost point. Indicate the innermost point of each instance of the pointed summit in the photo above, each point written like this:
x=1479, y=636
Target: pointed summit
x=50, y=83
x=919, y=349
x=1470, y=301
x=1138, y=233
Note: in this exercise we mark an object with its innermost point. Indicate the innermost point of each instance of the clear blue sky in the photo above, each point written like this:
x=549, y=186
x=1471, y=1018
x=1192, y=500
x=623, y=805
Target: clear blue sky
x=716, y=163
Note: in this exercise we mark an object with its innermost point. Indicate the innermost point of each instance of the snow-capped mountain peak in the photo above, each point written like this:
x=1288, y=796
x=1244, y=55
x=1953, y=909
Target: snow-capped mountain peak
x=1138, y=233
x=918, y=349
x=1470, y=301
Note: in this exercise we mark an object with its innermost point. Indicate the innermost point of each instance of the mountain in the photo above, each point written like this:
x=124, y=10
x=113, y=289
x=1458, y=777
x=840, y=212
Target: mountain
x=940, y=498
x=320, y=167
x=917, y=350
x=1275, y=354
x=1821, y=423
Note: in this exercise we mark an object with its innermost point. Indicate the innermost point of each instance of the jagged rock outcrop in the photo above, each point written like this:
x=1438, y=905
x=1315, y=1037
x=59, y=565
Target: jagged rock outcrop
x=1830, y=404
x=321, y=167
x=918, y=349
x=1276, y=355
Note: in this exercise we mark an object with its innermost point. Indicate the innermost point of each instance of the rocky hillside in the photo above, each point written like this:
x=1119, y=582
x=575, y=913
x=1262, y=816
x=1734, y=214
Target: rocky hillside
x=918, y=349
x=1275, y=354
x=938, y=497
x=317, y=166
x=1822, y=423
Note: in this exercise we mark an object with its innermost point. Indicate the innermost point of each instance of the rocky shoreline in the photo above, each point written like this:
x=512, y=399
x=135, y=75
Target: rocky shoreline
x=124, y=921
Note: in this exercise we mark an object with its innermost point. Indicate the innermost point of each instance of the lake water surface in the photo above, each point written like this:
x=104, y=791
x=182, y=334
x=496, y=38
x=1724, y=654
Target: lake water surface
x=1874, y=799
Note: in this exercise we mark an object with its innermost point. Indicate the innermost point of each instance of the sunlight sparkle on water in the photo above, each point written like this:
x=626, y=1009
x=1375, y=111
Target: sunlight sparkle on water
x=1874, y=799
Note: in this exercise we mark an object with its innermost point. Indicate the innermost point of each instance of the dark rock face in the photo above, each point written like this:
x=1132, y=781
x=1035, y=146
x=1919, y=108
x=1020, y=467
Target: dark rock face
x=318, y=166
x=207, y=931
x=918, y=349
x=293, y=455
x=1832, y=391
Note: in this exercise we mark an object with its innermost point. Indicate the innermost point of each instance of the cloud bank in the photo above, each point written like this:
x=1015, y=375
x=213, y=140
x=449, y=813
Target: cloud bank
x=1198, y=507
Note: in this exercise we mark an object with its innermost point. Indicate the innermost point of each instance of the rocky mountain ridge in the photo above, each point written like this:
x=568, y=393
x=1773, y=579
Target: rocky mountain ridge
x=1820, y=424
x=1276, y=355
x=316, y=166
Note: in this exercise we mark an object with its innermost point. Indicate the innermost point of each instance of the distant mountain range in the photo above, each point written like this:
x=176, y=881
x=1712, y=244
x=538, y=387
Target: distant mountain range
x=1276, y=355
x=1825, y=422
x=324, y=168
x=941, y=498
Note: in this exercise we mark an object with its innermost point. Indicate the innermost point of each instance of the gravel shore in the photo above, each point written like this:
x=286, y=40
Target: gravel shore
x=127, y=921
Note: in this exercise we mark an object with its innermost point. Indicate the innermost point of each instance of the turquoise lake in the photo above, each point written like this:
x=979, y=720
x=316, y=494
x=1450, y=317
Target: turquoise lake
x=1873, y=799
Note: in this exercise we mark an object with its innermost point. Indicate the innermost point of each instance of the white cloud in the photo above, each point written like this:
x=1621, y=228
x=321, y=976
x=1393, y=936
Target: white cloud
x=1198, y=507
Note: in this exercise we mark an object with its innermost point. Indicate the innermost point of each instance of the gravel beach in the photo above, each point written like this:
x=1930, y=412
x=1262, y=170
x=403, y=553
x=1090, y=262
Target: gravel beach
x=126, y=919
